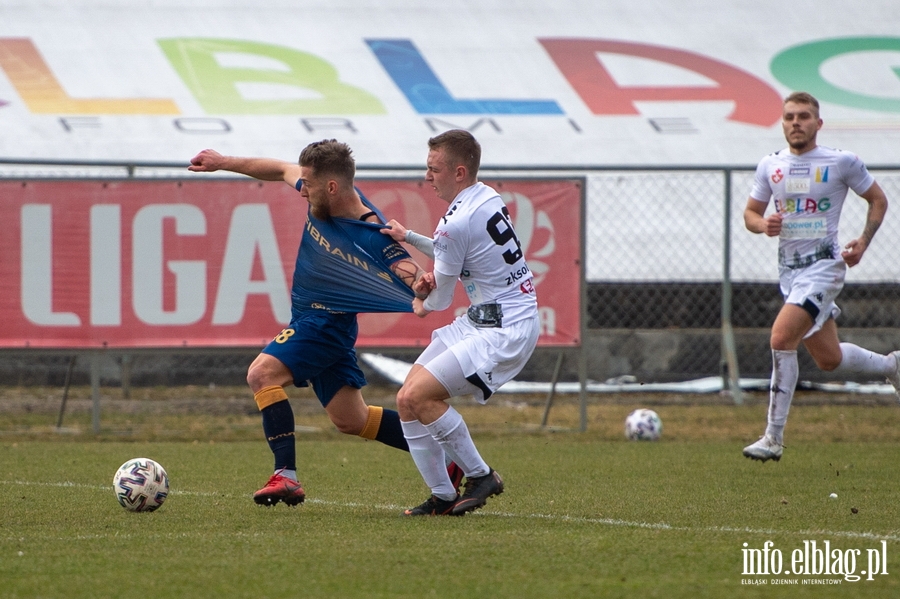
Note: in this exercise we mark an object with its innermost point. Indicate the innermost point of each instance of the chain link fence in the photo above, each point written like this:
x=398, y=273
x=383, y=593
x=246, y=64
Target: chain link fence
x=655, y=246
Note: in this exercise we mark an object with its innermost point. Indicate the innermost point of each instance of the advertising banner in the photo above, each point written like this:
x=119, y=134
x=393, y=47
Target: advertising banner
x=208, y=262
x=606, y=82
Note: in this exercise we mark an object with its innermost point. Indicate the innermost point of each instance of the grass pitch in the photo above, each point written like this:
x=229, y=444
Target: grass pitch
x=584, y=514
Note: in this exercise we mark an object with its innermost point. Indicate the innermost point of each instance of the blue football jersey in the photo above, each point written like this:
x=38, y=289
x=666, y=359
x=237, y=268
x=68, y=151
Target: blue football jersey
x=343, y=265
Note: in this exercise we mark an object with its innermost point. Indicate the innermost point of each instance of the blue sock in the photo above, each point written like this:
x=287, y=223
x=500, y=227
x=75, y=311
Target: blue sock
x=390, y=432
x=278, y=425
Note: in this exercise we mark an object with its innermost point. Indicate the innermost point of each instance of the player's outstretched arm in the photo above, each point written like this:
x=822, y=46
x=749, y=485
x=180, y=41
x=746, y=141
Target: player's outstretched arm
x=264, y=169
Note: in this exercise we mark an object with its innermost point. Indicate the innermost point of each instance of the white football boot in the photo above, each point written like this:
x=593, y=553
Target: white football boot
x=894, y=378
x=764, y=449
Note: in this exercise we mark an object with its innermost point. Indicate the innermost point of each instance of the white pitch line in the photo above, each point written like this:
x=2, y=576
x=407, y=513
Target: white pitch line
x=552, y=517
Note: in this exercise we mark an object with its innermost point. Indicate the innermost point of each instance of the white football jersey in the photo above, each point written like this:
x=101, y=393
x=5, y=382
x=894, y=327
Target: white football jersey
x=809, y=191
x=476, y=242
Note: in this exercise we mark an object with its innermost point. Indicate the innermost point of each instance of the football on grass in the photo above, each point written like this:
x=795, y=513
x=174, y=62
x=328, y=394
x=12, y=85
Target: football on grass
x=643, y=425
x=141, y=485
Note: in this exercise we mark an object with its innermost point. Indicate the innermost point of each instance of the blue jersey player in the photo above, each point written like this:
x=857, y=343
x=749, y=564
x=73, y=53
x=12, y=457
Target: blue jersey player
x=344, y=266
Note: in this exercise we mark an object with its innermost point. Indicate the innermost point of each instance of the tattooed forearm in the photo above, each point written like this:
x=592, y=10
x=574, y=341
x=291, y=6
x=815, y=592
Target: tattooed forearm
x=407, y=270
x=871, y=227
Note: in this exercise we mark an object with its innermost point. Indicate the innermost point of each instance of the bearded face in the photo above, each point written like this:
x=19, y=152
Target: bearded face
x=314, y=190
x=801, y=124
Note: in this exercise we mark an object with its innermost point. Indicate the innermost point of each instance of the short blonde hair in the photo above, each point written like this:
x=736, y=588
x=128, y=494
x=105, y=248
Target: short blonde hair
x=804, y=98
x=460, y=148
x=330, y=158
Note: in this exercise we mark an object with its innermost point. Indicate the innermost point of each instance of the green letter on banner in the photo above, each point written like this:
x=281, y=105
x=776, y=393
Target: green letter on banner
x=215, y=85
x=798, y=68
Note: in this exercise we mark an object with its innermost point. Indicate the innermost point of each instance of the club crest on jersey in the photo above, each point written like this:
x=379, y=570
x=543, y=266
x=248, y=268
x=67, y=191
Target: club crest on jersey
x=777, y=176
x=527, y=286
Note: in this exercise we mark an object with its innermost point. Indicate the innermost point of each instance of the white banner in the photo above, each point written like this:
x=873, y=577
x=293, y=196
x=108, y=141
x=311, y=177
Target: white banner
x=566, y=83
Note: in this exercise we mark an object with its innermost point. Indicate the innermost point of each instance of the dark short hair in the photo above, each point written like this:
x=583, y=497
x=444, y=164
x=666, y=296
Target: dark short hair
x=460, y=148
x=330, y=158
x=804, y=98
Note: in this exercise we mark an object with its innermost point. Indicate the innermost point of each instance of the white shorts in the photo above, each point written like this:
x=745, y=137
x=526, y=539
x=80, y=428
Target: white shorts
x=467, y=359
x=815, y=289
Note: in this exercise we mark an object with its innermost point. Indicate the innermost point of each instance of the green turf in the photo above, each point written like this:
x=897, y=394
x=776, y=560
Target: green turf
x=582, y=517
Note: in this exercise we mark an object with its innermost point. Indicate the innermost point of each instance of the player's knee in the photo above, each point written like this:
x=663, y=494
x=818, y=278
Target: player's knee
x=406, y=400
x=266, y=371
x=260, y=376
x=255, y=378
x=781, y=342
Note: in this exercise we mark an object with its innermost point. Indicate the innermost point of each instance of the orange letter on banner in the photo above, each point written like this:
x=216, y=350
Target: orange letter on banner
x=755, y=102
x=42, y=93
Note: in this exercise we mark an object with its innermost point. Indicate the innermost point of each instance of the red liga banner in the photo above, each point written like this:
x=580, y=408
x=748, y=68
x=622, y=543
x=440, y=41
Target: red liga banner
x=208, y=263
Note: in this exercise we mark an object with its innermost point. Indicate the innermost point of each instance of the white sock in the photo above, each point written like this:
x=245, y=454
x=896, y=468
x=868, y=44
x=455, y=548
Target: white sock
x=291, y=474
x=451, y=432
x=785, y=372
x=776, y=432
x=862, y=361
x=428, y=456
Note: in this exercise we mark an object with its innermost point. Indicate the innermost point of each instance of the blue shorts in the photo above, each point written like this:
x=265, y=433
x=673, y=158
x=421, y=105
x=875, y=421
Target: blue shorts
x=317, y=347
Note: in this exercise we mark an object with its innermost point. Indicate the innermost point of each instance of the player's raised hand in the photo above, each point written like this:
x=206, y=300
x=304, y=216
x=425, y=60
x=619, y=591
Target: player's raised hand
x=206, y=161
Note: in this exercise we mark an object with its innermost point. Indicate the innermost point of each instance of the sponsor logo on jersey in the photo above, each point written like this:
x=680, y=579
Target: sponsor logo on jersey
x=517, y=274
x=799, y=170
x=822, y=174
x=796, y=185
x=802, y=205
x=439, y=244
x=777, y=176
x=334, y=250
x=527, y=287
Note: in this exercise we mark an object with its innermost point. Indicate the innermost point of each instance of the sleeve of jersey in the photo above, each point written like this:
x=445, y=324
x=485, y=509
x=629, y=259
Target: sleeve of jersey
x=761, y=190
x=346, y=268
x=450, y=249
x=442, y=296
x=859, y=179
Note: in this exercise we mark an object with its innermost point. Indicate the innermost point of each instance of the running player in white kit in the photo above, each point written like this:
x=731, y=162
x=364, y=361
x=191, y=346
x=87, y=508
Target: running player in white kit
x=475, y=243
x=809, y=184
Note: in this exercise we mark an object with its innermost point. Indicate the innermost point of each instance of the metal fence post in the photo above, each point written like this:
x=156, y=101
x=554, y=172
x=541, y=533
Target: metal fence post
x=95, y=391
x=583, y=312
x=729, y=348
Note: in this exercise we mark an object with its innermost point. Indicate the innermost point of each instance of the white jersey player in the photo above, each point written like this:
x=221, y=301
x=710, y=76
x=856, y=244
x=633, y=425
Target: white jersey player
x=475, y=243
x=809, y=184
x=809, y=191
